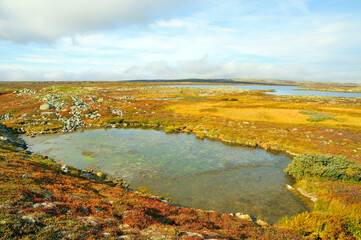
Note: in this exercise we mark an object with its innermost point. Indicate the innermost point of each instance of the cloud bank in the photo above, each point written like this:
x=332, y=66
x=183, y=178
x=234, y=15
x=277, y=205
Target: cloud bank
x=159, y=39
x=199, y=68
x=23, y=21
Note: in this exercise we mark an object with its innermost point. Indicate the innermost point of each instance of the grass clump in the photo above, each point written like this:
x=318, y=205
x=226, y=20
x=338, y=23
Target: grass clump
x=61, y=89
x=326, y=166
x=317, y=116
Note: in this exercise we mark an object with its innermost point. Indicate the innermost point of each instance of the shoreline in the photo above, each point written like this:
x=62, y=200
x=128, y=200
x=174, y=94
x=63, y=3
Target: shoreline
x=162, y=128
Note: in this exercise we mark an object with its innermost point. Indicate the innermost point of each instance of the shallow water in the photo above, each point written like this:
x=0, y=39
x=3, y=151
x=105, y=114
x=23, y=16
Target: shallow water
x=279, y=90
x=195, y=173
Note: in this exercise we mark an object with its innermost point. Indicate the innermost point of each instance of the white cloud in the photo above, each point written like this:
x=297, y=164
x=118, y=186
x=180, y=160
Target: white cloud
x=141, y=39
x=199, y=68
x=46, y=20
x=299, y=5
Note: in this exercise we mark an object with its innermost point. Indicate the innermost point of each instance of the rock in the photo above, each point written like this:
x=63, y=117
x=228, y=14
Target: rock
x=7, y=116
x=64, y=168
x=29, y=219
x=261, y=222
x=54, y=100
x=87, y=175
x=192, y=235
x=45, y=205
x=25, y=91
x=116, y=112
x=167, y=202
x=3, y=138
x=124, y=226
x=48, y=113
x=245, y=217
x=100, y=175
x=46, y=106
x=127, y=237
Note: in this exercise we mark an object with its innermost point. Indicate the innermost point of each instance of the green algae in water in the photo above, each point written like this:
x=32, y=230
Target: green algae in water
x=200, y=174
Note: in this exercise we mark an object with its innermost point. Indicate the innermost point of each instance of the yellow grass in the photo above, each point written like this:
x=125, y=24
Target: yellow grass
x=286, y=113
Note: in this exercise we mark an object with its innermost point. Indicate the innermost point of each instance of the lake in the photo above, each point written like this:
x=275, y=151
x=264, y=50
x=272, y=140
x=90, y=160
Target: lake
x=194, y=173
x=279, y=90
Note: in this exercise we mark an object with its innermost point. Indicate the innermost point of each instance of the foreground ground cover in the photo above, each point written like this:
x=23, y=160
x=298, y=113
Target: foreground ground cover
x=276, y=123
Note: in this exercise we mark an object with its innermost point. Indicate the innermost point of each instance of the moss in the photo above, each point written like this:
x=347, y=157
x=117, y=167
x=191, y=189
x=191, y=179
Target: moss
x=325, y=166
x=317, y=116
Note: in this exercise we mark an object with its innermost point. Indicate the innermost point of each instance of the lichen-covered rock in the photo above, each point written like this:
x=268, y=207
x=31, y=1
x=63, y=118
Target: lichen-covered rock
x=101, y=175
x=65, y=168
x=7, y=116
x=46, y=106
x=25, y=91
x=261, y=222
x=245, y=217
x=116, y=111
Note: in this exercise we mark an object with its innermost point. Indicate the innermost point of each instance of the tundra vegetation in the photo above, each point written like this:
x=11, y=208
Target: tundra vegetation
x=40, y=199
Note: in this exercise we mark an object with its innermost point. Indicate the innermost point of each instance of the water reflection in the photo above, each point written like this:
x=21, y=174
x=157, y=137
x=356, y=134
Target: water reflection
x=201, y=174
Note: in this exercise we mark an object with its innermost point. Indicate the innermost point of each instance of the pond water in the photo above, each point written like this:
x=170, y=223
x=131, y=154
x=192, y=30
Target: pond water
x=195, y=173
x=279, y=90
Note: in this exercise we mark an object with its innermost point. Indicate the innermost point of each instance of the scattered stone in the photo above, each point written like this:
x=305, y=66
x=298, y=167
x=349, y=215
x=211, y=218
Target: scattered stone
x=48, y=113
x=46, y=106
x=261, y=222
x=167, y=202
x=124, y=226
x=245, y=217
x=25, y=91
x=127, y=237
x=87, y=175
x=29, y=219
x=100, y=175
x=64, y=168
x=106, y=234
x=45, y=205
x=54, y=100
x=92, y=115
x=116, y=112
x=192, y=235
x=7, y=116
x=3, y=138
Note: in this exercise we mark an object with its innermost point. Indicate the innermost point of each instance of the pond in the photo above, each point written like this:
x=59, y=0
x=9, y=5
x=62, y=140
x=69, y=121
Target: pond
x=194, y=173
x=279, y=90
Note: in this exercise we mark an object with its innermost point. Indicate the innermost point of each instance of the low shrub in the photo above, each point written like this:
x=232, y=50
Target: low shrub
x=317, y=225
x=328, y=166
x=317, y=116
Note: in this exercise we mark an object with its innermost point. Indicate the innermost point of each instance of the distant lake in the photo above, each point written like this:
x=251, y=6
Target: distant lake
x=195, y=173
x=279, y=90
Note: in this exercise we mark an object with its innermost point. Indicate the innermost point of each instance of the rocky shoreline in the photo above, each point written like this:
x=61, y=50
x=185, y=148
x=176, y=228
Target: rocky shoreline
x=13, y=139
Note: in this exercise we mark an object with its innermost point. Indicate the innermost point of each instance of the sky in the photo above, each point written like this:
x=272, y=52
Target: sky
x=112, y=40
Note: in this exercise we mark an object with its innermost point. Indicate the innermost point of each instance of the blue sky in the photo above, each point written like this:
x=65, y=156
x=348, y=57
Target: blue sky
x=311, y=40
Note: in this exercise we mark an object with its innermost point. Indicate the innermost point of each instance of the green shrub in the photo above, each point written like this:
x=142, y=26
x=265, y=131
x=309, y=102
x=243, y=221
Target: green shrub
x=317, y=116
x=333, y=167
